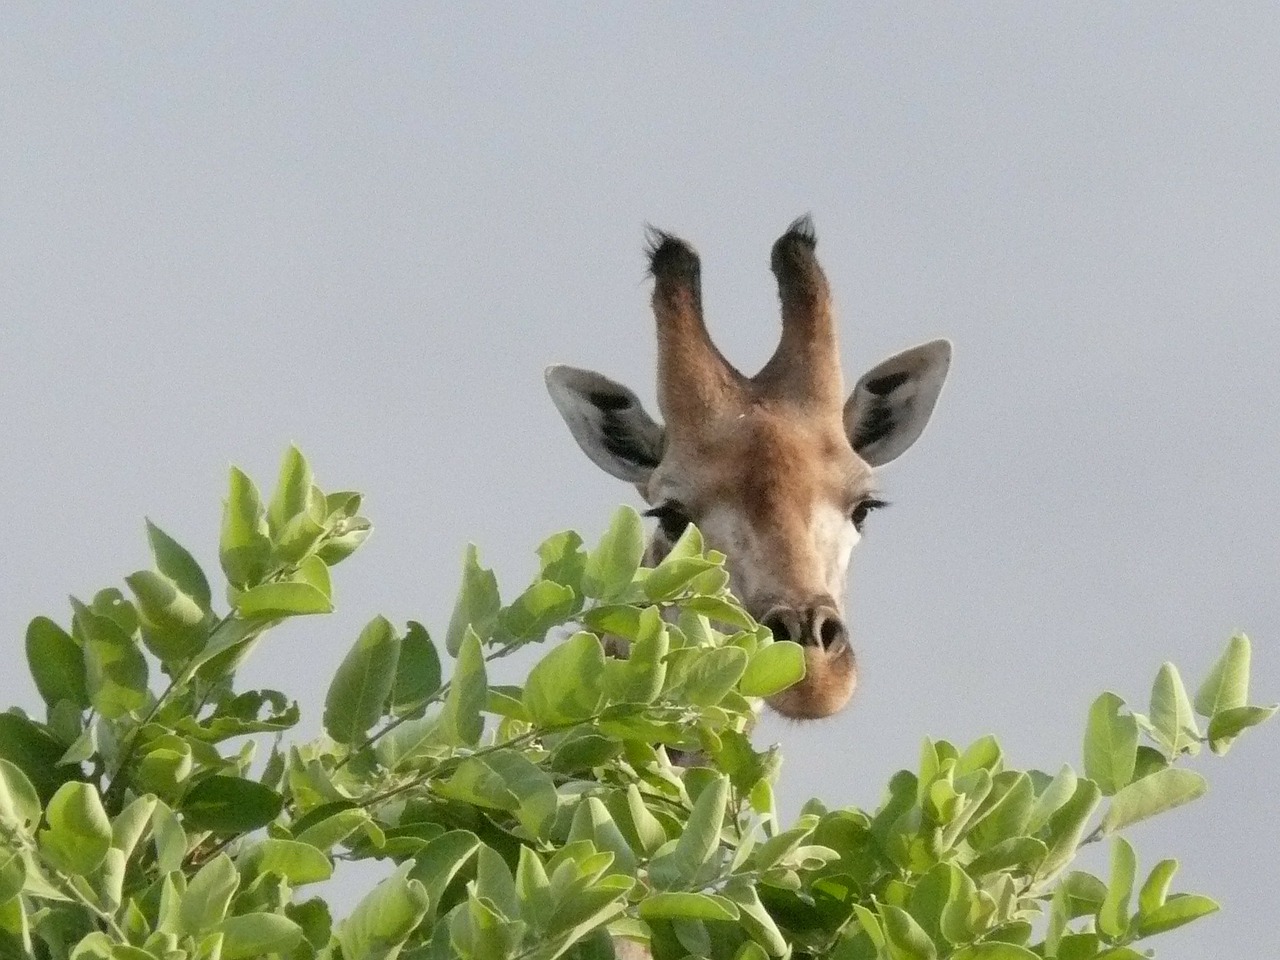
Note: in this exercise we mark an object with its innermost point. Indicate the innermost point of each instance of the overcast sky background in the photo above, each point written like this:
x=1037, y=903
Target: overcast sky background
x=226, y=228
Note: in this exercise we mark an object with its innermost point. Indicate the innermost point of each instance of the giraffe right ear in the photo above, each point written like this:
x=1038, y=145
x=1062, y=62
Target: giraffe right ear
x=608, y=422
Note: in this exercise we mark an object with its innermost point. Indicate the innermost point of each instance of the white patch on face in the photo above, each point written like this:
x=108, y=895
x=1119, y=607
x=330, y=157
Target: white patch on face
x=834, y=537
x=753, y=561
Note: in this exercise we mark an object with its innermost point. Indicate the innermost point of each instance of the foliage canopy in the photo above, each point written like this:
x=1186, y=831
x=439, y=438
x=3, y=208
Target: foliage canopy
x=543, y=820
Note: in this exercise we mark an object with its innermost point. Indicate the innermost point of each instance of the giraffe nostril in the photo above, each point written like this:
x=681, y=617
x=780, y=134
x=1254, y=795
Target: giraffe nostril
x=777, y=625
x=831, y=632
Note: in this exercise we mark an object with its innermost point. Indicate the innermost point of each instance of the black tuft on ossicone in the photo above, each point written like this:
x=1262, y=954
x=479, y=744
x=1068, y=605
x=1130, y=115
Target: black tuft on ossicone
x=795, y=247
x=669, y=256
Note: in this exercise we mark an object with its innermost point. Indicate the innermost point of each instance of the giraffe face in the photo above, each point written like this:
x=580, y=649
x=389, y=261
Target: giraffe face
x=776, y=470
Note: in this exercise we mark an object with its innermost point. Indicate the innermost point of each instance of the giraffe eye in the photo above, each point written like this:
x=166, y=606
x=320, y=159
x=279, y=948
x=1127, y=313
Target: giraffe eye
x=672, y=519
x=864, y=507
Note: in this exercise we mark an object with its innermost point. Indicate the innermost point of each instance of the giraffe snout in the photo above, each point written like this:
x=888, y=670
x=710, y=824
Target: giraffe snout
x=815, y=625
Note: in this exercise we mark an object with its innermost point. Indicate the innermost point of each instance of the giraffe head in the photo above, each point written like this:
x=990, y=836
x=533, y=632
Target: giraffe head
x=777, y=470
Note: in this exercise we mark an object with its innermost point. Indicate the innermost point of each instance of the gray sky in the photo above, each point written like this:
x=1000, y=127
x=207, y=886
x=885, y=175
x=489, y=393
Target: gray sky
x=224, y=228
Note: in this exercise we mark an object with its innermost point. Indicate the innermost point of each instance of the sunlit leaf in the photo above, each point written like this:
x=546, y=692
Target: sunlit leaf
x=1179, y=909
x=293, y=490
x=1110, y=744
x=363, y=681
x=208, y=895
x=1229, y=723
x=174, y=624
x=173, y=560
x=417, y=672
x=772, y=669
x=282, y=599
x=56, y=662
x=1113, y=916
x=1152, y=795
x=567, y=684
x=613, y=563
x=257, y=935
x=245, y=548
x=79, y=833
x=115, y=669
x=1227, y=685
x=477, y=605
x=1171, y=714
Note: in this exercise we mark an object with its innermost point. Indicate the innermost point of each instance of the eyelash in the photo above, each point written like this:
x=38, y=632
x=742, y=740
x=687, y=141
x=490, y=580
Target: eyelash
x=671, y=519
x=864, y=507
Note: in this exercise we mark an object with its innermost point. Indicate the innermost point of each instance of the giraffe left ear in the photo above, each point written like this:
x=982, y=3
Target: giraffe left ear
x=891, y=404
x=608, y=422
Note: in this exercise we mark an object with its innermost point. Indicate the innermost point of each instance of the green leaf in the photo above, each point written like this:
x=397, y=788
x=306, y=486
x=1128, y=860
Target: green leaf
x=532, y=787
x=567, y=685
x=258, y=935
x=755, y=919
x=417, y=672
x=173, y=560
x=244, y=549
x=495, y=883
x=270, y=601
x=477, y=605
x=293, y=490
x=19, y=802
x=299, y=863
x=697, y=843
x=1156, y=890
x=641, y=676
x=441, y=860
x=1024, y=853
x=208, y=895
x=592, y=821
x=904, y=938
x=131, y=824
x=362, y=683
x=383, y=920
x=299, y=537
x=1110, y=744
x=687, y=906
x=347, y=537
x=460, y=722
x=563, y=559
x=174, y=625
x=993, y=951
x=1227, y=685
x=225, y=804
x=79, y=833
x=704, y=676
x=612, y=565
x=115, y=669
x=1058, y=791
x=1171, y=716
x=1067, y=825
x=56, y=662
x=1229, y=723
x=772, y=669
x=1113, y=916
x=545, y=604
x=1161, y=791
x=13, y=873
x=1008, y=815
x=1179, y=909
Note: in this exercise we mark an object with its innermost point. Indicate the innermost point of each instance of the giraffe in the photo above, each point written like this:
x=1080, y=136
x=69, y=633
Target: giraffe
x=777, y=470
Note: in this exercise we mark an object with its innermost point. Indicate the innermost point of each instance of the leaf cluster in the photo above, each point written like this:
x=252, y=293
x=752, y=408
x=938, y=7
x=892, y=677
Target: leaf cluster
x=614, y=795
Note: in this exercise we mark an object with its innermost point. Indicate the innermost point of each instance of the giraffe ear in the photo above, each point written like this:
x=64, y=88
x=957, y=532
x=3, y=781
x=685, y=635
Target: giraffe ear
x=608, y=422
x=891, y=404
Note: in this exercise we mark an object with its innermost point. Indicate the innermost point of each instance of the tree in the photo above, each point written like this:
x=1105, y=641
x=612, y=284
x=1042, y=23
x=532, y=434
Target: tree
x=538, y=821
